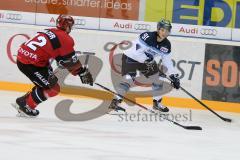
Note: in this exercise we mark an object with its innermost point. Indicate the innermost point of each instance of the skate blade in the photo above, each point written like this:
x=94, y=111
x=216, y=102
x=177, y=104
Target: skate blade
x=160, y=110
x=115, y=112
x=20, y=113
x=15, y=106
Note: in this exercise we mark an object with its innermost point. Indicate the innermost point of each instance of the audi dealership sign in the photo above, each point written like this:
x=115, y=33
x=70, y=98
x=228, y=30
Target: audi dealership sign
x=236, y=34
x=17, y=17
x=142, y=27
x=80, y=22
x=201, y=31
x=177, y=30
x=126, y=25
x=14, y=16
x=208, y=32
x=11, y=16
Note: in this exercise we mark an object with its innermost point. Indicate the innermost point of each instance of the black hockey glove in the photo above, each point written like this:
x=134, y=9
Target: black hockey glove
x=175, y=80
x=85, y=76
x=151, y=68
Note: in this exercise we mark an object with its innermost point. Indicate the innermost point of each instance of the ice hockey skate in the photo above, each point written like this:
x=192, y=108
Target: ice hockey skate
x=158, y=106
x=115, y=106
x=23, y=109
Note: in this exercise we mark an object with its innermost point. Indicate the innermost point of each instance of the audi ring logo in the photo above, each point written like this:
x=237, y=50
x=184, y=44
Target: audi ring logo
x=13, y=16
x=208, y=32
x=80, y=22
x=1, y=15
x=142, y=26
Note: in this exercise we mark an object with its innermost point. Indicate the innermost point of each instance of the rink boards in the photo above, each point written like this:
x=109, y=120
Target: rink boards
x=208, y=69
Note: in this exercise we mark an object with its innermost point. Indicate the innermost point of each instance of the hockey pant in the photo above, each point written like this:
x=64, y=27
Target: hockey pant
x=129, y=72
x=45, y=83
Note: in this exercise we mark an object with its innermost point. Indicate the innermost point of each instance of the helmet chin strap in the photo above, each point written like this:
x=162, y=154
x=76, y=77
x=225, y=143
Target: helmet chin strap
x=159, y=37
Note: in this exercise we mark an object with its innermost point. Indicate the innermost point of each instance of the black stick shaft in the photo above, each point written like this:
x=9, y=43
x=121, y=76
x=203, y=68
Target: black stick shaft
x=145, y=108
x=204, y=105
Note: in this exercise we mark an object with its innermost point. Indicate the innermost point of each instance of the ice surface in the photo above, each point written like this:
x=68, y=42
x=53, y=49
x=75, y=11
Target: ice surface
x=106, y=138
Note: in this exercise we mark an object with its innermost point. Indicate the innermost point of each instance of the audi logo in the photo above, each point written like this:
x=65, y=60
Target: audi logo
x=1, y=15
x=208, y=32
x=80, y=22
x=142, y=26
x=13, y=16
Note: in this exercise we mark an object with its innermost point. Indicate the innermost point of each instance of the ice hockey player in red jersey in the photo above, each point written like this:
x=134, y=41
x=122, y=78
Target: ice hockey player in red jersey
x=33, y=60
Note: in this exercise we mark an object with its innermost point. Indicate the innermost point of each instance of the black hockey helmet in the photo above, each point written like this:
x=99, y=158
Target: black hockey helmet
x=163, y=23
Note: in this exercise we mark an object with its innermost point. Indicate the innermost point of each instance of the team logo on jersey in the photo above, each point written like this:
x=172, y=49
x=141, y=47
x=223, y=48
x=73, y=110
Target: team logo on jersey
x=164, y=49
x=151, y=52
x=41, y=77
x=27, y=54
x=50, y=34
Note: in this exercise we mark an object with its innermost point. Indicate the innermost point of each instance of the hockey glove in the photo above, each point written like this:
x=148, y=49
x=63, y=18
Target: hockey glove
x=85, y=76
x=151, y=68
x=175, y=80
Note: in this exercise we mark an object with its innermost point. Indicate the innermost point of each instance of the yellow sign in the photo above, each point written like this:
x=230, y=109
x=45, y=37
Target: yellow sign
x=220, y=13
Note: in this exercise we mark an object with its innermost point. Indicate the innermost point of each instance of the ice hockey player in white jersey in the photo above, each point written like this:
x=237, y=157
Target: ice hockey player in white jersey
x=141, y=57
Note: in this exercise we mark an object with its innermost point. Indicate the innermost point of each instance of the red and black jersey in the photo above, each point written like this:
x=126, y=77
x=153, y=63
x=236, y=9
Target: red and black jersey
x=51, y=44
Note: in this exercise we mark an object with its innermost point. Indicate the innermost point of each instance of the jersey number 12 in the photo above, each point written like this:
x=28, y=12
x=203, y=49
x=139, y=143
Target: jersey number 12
x=34, y=44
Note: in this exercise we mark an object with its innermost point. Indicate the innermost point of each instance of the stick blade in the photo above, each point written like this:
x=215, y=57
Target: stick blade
x=227, y=120
x=193, y=127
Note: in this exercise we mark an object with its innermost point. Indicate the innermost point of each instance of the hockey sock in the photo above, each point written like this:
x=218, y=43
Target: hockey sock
x=39, y=95
x=35, y=97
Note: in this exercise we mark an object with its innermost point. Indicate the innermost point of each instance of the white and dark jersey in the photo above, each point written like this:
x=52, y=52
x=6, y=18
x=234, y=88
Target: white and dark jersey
x=146, y=47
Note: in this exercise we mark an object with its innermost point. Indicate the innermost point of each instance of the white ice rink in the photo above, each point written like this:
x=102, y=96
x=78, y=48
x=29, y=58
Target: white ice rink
x=106, y=138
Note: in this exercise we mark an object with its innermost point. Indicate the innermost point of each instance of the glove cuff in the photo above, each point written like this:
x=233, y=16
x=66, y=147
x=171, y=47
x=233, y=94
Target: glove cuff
x=173, y=76
x=82, y=71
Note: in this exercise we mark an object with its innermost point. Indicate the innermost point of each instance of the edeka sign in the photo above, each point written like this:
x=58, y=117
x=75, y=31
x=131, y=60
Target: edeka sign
x=220, y=13
x=221, y=79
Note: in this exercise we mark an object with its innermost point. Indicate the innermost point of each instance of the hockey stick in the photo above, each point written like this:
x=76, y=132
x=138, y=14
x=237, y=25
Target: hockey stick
x=200, y=102
x=147, y=109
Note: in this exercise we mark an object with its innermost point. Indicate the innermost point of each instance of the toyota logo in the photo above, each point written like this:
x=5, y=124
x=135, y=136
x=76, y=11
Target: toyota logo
x=80, y=22
x=208, y=32
x=142, y=26
x=13, y=16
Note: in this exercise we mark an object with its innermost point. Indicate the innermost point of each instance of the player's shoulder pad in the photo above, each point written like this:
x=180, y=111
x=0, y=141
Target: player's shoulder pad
x=147, y=38
x=52, y=37
x=65, y=38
